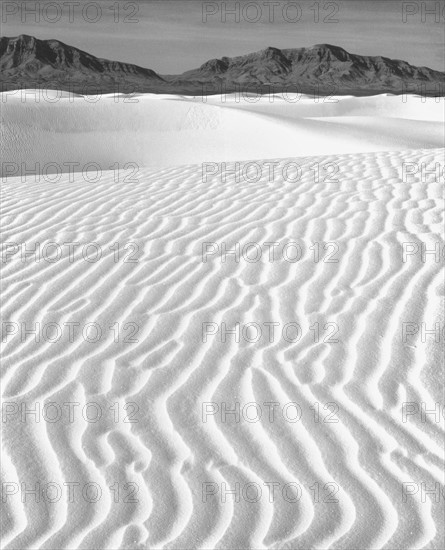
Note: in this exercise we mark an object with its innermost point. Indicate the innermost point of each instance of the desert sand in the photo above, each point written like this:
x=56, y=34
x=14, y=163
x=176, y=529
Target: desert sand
x=355, y=175
x=165, y=131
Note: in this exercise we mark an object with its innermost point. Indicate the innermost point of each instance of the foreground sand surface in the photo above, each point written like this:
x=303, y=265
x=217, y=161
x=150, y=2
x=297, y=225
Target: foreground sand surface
x=162, y=281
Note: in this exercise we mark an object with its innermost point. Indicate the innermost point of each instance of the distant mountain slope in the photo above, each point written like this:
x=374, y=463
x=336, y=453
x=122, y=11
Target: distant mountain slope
x=329, y=67
x=324, y=69
x=30, y=62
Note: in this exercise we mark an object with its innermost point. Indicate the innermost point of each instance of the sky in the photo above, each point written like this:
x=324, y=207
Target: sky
x=172, y=36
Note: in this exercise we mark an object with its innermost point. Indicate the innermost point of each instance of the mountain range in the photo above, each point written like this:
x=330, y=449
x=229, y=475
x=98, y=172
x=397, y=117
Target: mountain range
x=324, y=69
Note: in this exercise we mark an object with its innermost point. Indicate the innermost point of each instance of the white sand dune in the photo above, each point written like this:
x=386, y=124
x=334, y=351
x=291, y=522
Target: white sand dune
x=165, y=131
x=364, y=207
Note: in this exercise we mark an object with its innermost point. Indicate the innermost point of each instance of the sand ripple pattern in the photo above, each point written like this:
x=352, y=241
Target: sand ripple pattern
x=366, y=209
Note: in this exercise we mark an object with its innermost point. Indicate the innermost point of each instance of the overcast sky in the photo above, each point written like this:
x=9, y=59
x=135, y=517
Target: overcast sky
x=172, y=36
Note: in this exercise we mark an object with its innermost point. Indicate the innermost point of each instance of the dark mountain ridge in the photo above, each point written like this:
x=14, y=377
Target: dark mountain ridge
x=27, y=62
x=30, y=54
